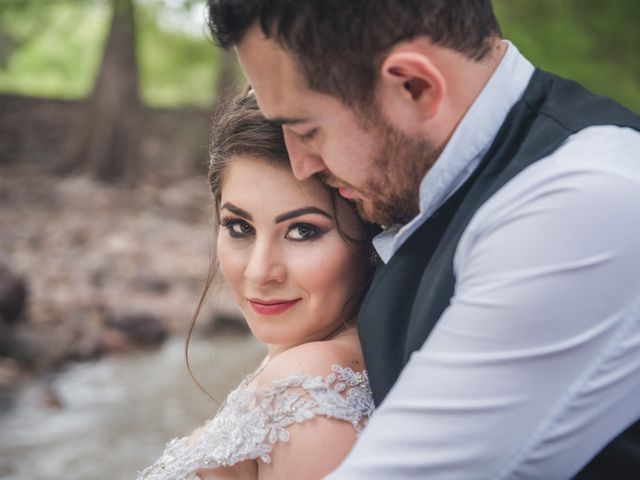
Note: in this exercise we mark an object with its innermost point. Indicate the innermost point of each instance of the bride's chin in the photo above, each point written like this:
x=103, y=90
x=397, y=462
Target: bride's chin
x=272, y=335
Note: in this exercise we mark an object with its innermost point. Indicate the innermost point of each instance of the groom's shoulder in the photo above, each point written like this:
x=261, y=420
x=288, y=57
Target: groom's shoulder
x=573, y=106
x=605, y=150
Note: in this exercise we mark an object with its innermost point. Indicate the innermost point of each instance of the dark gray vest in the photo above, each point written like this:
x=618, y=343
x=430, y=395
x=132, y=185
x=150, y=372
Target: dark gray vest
x=409, y=294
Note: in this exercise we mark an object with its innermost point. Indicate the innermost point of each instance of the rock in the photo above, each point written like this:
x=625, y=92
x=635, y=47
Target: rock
x=5, y=335
x=12, y=376
x=40, y=348
x=97, y=278
x=82, y=246
x=13, y=295
x=76, y=335
x=47, y=397
x=186, y=198
x=226, y=323
x=141, y=329
x=151, y=284
x=114, y=340
x=11, y=373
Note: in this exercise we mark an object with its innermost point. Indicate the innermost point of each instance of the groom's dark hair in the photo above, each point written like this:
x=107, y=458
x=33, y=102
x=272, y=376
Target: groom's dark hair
x=340, y=44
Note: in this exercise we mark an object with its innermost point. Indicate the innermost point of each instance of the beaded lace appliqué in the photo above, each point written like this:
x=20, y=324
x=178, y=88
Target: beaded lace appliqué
x=252, y=420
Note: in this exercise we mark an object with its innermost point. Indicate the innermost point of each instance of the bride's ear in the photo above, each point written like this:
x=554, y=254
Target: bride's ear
x=411, y=86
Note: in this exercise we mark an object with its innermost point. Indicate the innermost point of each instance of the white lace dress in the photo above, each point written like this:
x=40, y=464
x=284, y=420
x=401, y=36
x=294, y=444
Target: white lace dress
x=252, y=420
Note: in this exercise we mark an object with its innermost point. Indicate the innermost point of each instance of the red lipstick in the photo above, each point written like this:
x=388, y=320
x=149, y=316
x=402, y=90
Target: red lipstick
x=272, y=307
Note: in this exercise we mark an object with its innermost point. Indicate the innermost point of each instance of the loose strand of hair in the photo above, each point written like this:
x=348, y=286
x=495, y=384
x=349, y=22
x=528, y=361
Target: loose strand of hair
x=211, y=275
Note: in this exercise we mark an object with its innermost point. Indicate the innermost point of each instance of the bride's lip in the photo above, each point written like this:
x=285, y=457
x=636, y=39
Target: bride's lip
x=271, y=307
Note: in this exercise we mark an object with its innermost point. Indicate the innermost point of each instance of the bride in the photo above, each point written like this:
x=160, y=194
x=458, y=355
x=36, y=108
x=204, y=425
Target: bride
x=296, y=258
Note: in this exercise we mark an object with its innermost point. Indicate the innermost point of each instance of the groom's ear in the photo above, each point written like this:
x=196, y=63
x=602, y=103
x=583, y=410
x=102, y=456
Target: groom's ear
x=411, y=87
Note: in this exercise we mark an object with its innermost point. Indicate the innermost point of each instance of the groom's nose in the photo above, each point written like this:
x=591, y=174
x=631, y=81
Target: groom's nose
x=304, y=161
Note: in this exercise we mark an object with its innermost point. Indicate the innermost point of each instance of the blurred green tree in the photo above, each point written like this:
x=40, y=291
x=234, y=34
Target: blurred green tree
x=108, y=144
x=593, y=42
x=51, y=48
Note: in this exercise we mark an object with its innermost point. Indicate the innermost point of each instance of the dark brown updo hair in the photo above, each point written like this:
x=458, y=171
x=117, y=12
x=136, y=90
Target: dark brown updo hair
x=239, y=129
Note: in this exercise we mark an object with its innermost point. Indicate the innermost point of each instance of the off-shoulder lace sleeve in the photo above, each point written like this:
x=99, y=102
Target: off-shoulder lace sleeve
x=251, y=421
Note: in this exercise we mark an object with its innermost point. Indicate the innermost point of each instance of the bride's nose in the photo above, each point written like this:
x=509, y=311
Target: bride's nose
x=265, y=264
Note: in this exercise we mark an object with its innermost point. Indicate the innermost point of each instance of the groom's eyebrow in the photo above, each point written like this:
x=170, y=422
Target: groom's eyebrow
x=282, y=121
x=301, y=211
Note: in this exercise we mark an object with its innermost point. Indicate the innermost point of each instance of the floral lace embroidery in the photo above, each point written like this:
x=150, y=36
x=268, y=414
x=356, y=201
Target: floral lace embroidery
x=252, y=420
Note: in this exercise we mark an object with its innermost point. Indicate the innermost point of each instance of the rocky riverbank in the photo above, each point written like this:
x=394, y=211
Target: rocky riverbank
x=88, y=269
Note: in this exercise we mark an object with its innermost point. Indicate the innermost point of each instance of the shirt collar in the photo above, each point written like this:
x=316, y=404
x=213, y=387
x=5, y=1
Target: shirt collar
x=466, y=147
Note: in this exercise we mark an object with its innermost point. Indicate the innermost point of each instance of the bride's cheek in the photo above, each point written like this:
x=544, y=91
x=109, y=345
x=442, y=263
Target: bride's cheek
x=231, y=265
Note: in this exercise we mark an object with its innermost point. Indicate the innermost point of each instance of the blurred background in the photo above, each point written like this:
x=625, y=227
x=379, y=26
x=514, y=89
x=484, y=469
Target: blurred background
x=105, y=218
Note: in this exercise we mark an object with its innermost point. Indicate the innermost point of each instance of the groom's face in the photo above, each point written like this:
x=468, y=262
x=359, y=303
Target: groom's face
x=369, y=161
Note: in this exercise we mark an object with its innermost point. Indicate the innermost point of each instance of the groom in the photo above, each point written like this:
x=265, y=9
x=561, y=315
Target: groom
x=502, y=329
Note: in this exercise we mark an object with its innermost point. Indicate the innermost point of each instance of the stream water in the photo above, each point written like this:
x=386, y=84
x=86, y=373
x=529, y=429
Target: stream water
x=117, y=413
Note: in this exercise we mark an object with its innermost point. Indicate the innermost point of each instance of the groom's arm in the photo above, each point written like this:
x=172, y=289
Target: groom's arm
x=535, y=366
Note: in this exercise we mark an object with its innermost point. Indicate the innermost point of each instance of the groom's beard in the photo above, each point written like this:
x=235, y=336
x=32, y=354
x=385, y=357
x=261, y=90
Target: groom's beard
x=392, y=193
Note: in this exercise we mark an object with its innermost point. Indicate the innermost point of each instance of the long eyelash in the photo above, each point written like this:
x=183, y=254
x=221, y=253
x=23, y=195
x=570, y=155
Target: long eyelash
x=229, y=223
x=318, y=231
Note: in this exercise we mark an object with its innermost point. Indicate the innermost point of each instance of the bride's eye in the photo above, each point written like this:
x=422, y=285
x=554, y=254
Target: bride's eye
x=304, y=231
x=237, y=228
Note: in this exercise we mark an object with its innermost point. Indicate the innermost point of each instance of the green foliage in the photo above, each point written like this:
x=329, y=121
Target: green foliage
x=53, y=47
x=593, y=42
x=176, y=68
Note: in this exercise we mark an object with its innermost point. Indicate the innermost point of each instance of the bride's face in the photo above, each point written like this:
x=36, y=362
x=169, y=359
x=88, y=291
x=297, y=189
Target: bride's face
x=289, y=269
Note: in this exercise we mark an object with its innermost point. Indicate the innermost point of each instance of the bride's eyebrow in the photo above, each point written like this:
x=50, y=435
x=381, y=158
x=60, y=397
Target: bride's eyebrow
x=301, y=211
x=237, y=210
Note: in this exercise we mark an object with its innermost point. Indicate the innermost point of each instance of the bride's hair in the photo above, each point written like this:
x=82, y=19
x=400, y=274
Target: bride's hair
x=239, y=129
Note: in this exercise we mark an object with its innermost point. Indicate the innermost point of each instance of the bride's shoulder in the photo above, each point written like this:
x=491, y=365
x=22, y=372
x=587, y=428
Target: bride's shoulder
x=323, y=390
x=315, y=358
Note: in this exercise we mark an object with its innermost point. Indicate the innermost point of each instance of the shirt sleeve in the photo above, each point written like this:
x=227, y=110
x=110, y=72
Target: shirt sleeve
x=535, y=365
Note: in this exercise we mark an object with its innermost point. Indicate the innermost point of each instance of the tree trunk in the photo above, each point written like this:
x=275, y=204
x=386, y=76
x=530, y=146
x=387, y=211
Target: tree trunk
x=108, y=144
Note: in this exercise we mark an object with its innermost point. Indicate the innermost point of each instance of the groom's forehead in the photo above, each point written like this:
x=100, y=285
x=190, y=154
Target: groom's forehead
x=277, y=80
x=271, y=71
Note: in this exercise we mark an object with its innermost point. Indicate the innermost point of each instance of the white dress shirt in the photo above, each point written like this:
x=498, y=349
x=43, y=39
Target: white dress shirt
x=535, y=365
